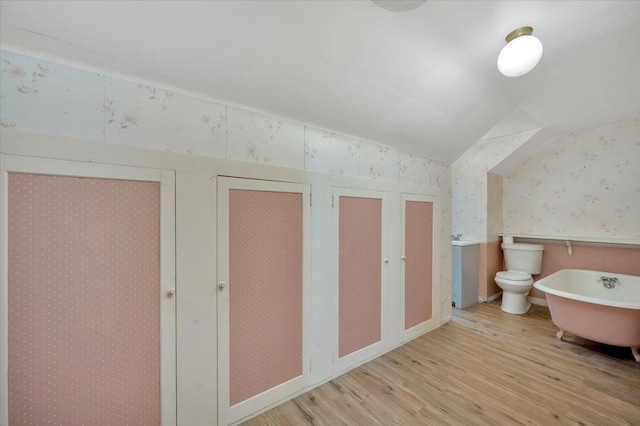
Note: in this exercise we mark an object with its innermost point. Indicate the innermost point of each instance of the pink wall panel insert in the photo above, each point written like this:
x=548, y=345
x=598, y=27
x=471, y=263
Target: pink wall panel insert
x=360, y=273
x=621, y=260
x=418, y=265
x=84, y=316
x=490, y=262
x=265, y=290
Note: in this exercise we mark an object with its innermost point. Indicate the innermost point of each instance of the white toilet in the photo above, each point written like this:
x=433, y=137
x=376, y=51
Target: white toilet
x=521, y=260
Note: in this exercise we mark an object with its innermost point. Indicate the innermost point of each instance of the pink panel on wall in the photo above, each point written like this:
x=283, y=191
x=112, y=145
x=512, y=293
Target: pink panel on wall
x=623, y=260
x=555, y=257
x=360, y=273
x=482, y=270
x=265, y=290
x=84, y=315
x=493, y=263
x=418, y=264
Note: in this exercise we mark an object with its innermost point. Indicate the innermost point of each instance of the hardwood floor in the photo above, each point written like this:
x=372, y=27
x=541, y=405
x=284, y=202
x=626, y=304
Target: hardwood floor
x=484, y=367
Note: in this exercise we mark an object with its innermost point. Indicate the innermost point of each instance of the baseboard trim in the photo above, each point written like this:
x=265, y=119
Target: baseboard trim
x=538, y=301
x=490, y=298
x=445, y=319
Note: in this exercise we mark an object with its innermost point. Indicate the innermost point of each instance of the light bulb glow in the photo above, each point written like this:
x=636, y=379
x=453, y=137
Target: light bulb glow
x=520, y=56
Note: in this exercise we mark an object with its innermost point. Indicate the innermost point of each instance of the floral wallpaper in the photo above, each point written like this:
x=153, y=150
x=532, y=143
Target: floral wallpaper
x=140, y=115
x=329, y=152
x=584, y=184
x=494, y=204
x=471, y=191
x=441, y=177
x=414, y=168
x=262, y=139
x=379, y=162
x=45, y=97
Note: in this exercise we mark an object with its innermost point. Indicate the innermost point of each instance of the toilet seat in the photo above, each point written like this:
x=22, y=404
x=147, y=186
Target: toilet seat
x=513, y=275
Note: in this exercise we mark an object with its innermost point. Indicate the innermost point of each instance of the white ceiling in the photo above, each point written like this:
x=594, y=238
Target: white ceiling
x=424, y=81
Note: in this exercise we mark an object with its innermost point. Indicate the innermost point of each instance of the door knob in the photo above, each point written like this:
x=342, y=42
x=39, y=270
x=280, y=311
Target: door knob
x=403, y=257
x=386, y=260
x=221, y=285
x=171, y=292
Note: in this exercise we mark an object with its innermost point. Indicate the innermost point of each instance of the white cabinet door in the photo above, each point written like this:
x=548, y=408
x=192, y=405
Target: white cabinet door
x=419, y=286
x=87, y=293
x=263, y=294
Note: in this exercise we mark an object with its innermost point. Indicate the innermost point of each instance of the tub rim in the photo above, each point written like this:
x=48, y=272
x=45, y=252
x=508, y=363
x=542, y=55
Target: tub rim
x=541, y=285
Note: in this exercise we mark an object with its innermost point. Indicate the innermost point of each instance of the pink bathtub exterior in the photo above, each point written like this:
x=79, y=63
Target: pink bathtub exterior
x=604, y=324
x=613, y=322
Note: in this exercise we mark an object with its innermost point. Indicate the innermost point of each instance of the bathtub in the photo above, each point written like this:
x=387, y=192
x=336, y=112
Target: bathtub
x=581, y=305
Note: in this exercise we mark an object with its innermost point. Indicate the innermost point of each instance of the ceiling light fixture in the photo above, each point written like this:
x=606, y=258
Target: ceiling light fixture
x=398, y=5
x=521, y=54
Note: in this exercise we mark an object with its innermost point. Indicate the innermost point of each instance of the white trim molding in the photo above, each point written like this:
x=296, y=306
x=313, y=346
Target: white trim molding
x=490, y=298
x=538, y=301
x=480, y=238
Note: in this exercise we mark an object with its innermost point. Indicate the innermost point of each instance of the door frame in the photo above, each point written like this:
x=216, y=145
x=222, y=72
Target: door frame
x=228, y=414
x=367, y=352
x=45, y=166
x=434, y=321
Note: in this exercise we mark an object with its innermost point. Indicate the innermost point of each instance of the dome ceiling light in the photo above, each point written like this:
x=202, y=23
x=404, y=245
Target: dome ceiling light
x=521, y=54
x=398, y=5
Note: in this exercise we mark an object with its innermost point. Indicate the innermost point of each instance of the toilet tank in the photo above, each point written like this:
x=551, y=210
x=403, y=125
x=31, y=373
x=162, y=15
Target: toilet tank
x=523, y=257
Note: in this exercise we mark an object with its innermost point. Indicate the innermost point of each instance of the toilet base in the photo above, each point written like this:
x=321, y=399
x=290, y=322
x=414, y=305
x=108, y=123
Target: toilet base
x=514, y=303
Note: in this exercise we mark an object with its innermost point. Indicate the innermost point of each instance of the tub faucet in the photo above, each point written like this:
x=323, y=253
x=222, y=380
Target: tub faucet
x=609, y=282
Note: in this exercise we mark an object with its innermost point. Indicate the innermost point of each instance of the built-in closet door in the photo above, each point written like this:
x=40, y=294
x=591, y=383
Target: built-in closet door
x=263, y=293
x=360, y=247
x=419, y=285
x=87, y=330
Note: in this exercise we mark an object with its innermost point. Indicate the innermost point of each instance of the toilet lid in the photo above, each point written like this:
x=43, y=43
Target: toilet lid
x=513, y=275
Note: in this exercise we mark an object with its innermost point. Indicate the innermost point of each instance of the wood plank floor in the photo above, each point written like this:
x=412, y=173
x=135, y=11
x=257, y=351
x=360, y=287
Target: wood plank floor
x=484, y=367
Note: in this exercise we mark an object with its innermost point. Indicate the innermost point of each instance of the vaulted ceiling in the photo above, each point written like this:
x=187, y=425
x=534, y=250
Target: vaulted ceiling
x=424, y=81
